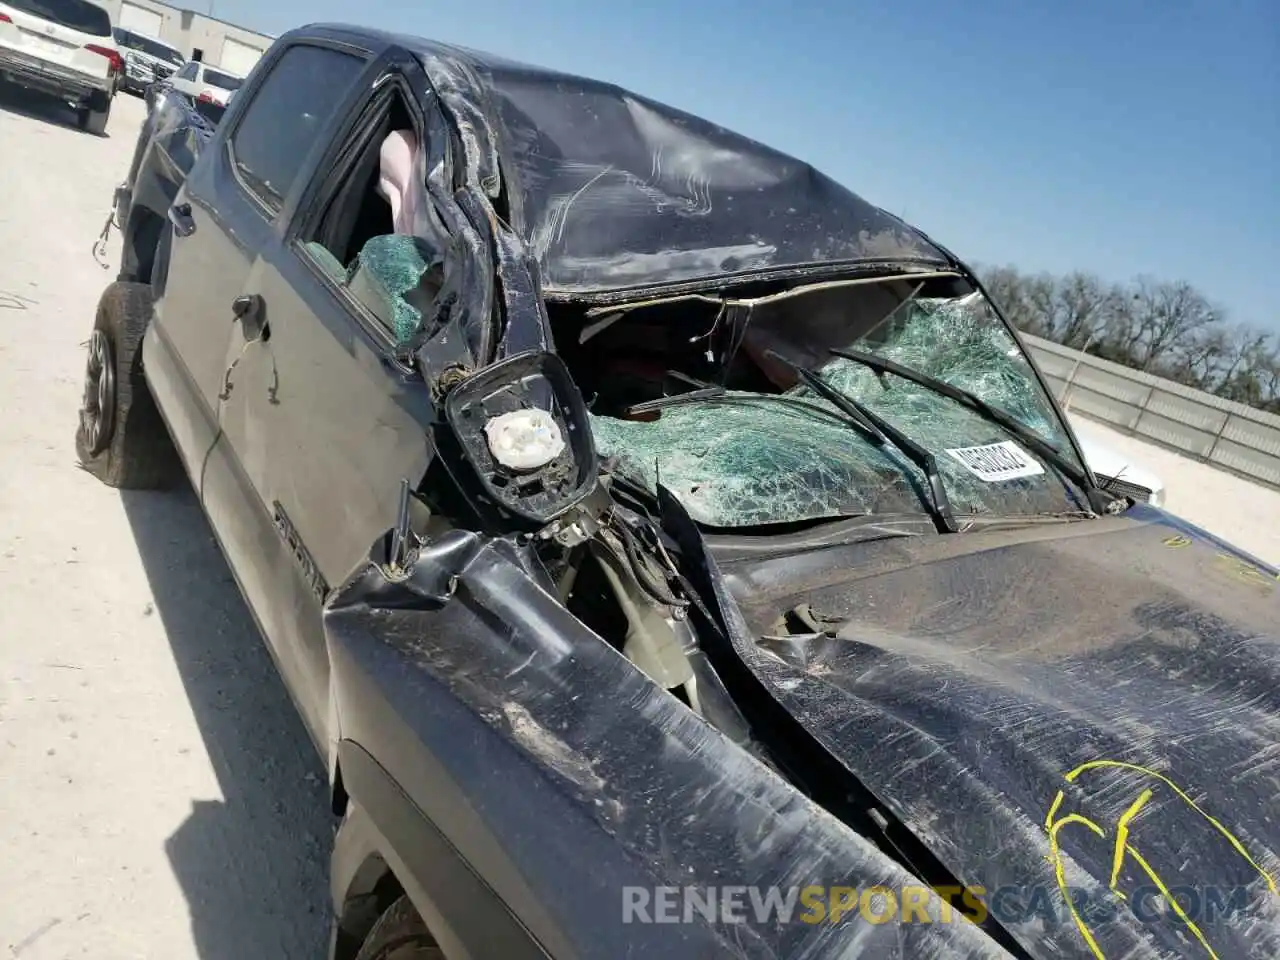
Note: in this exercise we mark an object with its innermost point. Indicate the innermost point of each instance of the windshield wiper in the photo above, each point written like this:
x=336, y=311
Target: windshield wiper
x=864, y=421
x=882, y=430
x=856, y=413
x=1098, y=498
x=710, y=393
x=677, y=399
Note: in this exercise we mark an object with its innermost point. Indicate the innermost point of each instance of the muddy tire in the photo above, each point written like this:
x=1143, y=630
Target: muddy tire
x=400, y=934
x=121, y=438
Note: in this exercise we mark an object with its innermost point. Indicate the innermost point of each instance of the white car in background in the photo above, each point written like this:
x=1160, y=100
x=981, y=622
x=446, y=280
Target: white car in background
x=1119, y=474
x=146, y=60
x=64, y=48
x=201, y=81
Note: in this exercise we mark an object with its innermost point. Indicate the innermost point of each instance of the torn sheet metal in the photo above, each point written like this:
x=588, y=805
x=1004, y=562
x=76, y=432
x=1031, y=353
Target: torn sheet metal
x=531, y=742
x=612, y=191
x=751, y=460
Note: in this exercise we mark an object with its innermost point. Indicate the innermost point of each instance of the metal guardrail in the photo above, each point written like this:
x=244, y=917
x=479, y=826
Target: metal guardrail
x=1210, y=429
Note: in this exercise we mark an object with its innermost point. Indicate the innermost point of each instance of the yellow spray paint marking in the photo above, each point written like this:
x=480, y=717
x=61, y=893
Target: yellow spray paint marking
x=1242, y=569
x=1246, y=571
x=1122, y=838
x=1124, y=847
x=1052, y=827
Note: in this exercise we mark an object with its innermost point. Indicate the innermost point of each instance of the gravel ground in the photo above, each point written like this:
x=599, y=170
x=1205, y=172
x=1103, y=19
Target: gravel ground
x=158, y=796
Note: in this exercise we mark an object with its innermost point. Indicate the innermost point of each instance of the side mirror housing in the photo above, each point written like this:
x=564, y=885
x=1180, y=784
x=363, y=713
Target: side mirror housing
x=524, y=452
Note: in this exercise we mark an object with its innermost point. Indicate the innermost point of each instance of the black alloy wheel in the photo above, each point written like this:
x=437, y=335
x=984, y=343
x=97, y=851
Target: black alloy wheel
x=98, y=409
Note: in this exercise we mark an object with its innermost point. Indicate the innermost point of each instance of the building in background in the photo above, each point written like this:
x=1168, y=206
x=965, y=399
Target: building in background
x=198, y=35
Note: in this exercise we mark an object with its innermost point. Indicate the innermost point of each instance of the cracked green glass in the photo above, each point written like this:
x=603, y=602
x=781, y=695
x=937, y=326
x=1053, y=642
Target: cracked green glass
x=749, y=460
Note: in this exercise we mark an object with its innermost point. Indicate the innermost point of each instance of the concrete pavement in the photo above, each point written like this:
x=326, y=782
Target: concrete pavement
x=158, y=795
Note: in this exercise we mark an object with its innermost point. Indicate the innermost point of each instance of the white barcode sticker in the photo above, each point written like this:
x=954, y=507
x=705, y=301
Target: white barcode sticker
x=998, y=461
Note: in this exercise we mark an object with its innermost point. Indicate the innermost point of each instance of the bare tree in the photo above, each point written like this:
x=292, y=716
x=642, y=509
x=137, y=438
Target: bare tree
x=1155, y=316
x=1198, y=360
x=1165, y=327
x=1253, y=375
x=1040, y=296
x=1245, y=348
x=1267, y=373
x=1082, y=303
x=1008, y=288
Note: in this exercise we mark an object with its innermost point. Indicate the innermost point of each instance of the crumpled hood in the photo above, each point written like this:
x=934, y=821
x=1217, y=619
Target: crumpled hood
x=1092, y=707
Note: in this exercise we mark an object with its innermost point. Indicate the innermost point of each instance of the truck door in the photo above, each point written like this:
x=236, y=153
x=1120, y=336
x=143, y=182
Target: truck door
x=215, y=226
x=320, y=422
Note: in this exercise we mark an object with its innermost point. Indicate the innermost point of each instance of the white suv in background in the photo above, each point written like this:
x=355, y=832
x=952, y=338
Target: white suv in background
x=201, y=81
x=146, y=60
x=64, y=48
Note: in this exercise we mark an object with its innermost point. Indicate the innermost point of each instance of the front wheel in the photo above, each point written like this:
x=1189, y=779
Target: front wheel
x=400, y=934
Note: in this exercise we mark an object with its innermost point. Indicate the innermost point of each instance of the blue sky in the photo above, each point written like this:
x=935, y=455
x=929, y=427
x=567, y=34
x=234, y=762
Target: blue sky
x=1118, y=137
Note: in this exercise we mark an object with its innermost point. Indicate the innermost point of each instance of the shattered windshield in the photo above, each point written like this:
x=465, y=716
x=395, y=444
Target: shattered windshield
x=748, y=460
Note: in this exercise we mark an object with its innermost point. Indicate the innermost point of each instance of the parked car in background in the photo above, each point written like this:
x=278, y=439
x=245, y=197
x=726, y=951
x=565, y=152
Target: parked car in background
x=146, y=60
x=209, y=108
x=1120, y=475
x=64, y=48
x=200, y=81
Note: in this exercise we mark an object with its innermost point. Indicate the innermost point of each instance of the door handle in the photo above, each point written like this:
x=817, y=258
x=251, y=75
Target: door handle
x=184, y=224
x=250, y=310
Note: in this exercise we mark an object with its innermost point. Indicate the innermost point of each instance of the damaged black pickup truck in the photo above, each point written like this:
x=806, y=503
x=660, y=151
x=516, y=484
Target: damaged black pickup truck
x=671, y=553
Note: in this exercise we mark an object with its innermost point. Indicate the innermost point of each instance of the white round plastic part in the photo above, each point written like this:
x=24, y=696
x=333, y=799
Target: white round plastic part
x=524, y=439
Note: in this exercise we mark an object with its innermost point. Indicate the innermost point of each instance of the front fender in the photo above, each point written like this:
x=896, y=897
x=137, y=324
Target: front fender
x=557, y=775
x=172, y=139
x=464, y=914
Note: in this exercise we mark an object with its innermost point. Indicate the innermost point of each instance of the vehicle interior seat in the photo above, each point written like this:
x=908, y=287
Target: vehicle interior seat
x=397, y=161
x=392, y=275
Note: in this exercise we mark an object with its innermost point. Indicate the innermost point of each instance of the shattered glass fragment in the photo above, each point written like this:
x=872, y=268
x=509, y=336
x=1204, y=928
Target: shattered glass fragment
x=747, y=460
x=387, y=278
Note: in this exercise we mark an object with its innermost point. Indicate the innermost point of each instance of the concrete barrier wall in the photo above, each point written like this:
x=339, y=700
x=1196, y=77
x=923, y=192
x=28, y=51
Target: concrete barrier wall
x=1210, y=429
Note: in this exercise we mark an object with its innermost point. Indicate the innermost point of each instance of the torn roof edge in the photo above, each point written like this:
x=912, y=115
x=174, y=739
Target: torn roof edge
x=790, y=292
